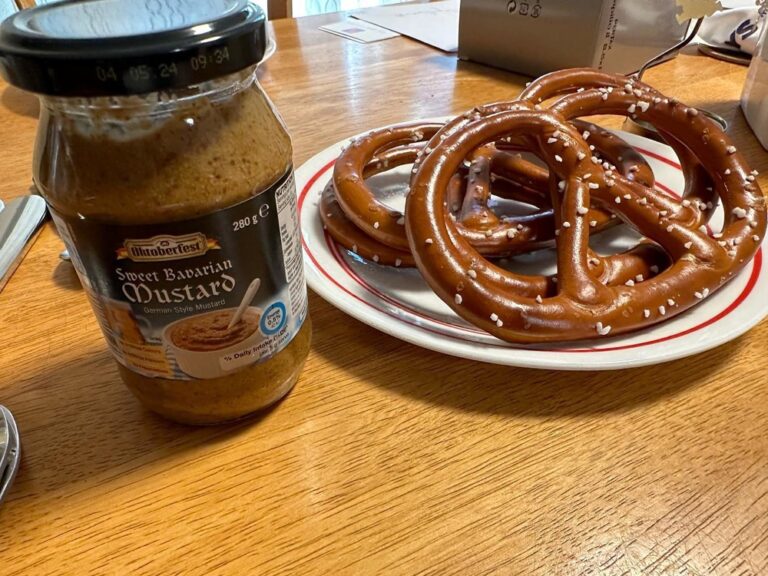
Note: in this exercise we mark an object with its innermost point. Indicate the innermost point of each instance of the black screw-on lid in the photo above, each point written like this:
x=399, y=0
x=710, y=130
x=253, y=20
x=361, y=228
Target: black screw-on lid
x=120, y=47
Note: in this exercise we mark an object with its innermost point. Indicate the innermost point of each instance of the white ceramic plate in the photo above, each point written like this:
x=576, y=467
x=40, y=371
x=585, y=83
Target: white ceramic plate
x=397, y=301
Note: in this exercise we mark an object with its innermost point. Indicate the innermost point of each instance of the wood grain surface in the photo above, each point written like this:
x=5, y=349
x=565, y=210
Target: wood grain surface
x=386, y=458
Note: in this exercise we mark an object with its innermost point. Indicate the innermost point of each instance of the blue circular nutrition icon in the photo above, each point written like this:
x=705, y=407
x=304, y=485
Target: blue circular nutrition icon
x=273, y=319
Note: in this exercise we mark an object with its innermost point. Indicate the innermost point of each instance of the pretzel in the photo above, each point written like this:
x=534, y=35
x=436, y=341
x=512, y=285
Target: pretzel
x=345, y=233
x=644, y=260
x=371, y=216
x=520, y=234
x=639, y=262
x=357, y=221
x=699, y=188
x=520, y=308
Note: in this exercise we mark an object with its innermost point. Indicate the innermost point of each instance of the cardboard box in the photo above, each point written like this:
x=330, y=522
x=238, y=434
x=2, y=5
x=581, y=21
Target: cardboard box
x=754, y=98
x=538, y=36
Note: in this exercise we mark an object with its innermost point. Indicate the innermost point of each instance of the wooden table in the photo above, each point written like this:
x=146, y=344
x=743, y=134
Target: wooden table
x=387, y=458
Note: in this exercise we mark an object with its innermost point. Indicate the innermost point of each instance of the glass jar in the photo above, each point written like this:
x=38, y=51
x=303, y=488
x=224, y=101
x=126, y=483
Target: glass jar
x=168, y=174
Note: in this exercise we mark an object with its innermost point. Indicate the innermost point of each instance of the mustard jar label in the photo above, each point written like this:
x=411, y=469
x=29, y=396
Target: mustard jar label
x=166, y=295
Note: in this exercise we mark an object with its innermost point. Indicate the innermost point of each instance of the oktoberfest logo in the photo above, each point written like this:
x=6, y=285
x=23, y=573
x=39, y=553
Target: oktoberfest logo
x=166, y=247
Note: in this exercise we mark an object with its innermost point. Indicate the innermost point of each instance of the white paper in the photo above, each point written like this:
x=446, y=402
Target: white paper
x=737, y=3
x=434, y=23
x=359, y=31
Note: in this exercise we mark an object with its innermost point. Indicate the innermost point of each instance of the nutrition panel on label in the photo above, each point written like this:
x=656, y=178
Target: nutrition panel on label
x=290, y=236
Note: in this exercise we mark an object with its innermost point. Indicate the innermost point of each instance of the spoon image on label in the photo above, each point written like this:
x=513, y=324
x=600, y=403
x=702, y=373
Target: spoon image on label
x=249, y=295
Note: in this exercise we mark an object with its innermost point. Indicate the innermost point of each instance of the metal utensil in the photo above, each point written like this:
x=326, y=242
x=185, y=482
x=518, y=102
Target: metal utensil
x=646, y=129
x=19, y=221
x=669, y=52
x=10, y=450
